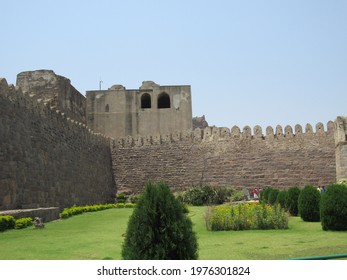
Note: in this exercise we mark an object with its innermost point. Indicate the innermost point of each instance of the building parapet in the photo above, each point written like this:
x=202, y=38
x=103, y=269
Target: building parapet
x=235, y=133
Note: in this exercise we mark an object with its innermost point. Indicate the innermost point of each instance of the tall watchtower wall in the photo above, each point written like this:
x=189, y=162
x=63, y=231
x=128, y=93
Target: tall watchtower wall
x=223, y=156
x=54, y=91
x=46, y=158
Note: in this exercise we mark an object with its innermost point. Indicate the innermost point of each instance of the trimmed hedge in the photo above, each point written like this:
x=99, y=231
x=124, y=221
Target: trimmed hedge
x=308, y=204
x=24, y=223
x=76, y=210
x=264, y=195
x=273, y=193
x=333, y=208
x=281, y=198
x=291, y=203
x=7, y=222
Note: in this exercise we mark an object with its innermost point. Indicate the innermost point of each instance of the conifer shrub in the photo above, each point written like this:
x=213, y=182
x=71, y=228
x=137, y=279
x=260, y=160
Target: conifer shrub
x=159, y=229
x=273, y=193
x=281, y=198
x=264, y=195
x=292, y=198
x=333, y=208
x=308, y=204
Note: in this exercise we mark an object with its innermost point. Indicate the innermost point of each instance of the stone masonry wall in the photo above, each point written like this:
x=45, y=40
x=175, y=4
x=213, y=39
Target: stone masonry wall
x=223, y=157
x=47, y=159
x=54, y=91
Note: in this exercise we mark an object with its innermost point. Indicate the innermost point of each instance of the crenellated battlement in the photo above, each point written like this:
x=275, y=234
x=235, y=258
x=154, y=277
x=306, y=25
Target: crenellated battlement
x=235, y=133
x=39, y=108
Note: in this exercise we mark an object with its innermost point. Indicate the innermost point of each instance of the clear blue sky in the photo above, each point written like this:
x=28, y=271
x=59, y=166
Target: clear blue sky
x=248, y=62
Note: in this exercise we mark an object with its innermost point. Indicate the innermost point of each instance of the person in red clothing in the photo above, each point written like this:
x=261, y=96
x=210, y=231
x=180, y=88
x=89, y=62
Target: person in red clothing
x=255, y=194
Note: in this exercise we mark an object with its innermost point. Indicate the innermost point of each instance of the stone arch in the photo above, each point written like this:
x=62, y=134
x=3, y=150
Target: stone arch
x=146, y=101
x=164, y=101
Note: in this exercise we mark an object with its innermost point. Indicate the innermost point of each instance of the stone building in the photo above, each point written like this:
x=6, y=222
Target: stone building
x=150, y=110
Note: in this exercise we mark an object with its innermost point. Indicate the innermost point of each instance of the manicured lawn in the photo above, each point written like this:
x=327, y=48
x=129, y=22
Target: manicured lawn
x=100, y=235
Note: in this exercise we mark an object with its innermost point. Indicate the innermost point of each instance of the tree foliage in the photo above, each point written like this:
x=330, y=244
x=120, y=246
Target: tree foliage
x=333, y=208
x=291, y=203
x=159, y=229
x=308, y=204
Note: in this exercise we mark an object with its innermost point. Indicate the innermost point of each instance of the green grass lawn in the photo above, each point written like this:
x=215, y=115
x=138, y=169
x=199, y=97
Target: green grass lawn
x=99, y=235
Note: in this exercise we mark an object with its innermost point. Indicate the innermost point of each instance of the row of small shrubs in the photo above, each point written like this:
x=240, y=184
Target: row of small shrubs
x=329, y=207
x=287, y=199
x=9, y=222
x=246, y=216
x=207, y=195
x=76, y=210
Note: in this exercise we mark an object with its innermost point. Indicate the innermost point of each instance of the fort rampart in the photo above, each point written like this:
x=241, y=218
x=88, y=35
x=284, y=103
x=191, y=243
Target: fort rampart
x=48, y=159
x=229, y=157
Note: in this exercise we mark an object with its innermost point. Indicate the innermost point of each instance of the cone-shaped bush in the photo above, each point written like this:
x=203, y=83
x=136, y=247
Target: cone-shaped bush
x=264, y=195
x=273, y=196
x=159, y=229
x=281, y=198
x=308, y=204
x=334, y=208
x=292, y=200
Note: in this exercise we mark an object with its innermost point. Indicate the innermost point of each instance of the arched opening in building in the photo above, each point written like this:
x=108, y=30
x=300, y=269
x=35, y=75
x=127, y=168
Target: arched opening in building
x=107, y=108
x=146, y=101
x=163, y=100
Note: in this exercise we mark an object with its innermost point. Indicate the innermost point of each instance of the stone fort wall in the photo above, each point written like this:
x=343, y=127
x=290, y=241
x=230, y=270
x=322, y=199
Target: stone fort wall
x=47, y=159
x=224, y=157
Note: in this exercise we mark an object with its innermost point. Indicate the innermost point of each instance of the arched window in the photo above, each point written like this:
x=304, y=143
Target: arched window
x=163, y=100
x=107, y=108
x=146, y=101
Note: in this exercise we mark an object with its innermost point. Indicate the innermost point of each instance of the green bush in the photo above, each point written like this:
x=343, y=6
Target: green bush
x=206, y=195
x=158, y=228
x=198, y=196
x=121, y=198
x=273, y=193
x=76, y=210
x=281, y=198
x=333, y=208
x=237, y=196
x=264, y=195
x=7, y=222
x=120, y=205
x=23, y=223
x=246, y=216
x=292, y=198
x=129, y=205
x=133, y=198
x=308, y=204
